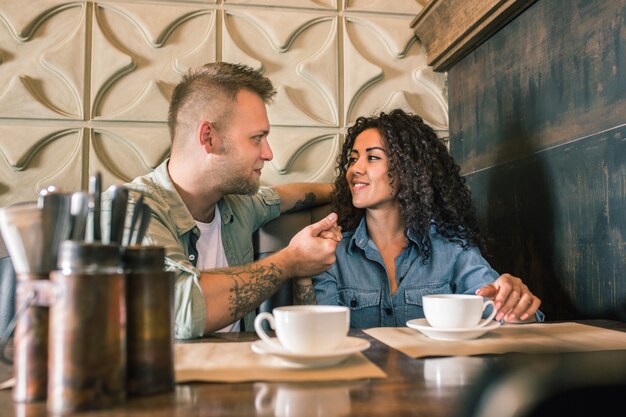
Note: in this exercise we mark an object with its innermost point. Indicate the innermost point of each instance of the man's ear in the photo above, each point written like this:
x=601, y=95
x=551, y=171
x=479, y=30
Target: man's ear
x=206, y=137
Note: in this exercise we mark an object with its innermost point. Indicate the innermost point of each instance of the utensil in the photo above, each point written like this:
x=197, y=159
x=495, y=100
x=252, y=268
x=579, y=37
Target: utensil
x=56, y=225
x=119, y=203
x=22, y=231
x=95, y=189
x=79, y=209
x=27, y=241
x=146, y=213
x=133, y=221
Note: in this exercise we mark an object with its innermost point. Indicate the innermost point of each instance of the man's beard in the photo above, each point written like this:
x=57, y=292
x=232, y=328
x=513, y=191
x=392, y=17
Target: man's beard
x=232, y=184
x=246, y=186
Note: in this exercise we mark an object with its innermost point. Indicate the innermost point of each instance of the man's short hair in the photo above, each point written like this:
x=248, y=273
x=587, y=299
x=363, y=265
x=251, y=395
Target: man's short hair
x=215, y=85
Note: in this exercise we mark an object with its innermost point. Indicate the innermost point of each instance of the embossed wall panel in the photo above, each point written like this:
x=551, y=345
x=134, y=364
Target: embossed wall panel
x=304, y=4
x=385, y=67
x=296, y=49
x=139, y=54
x=410, y=7
x=35, y=157
x=302, y=154
x=42, y=60
x=96, y=76
x=122, y=153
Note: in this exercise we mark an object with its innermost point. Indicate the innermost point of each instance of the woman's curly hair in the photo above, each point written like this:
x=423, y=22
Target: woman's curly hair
x=426, y=177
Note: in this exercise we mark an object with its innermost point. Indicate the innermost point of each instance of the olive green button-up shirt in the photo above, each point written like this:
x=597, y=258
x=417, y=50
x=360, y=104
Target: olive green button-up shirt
x=172, y=225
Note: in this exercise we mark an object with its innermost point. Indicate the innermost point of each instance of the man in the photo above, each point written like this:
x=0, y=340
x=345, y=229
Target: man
x=206, y=202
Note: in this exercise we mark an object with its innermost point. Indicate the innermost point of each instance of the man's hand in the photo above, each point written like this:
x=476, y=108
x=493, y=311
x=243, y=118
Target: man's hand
x=333, y=233
x=511, y=297
x=312, y=250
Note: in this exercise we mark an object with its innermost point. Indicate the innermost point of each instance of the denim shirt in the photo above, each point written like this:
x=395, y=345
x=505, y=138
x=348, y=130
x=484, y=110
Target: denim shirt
x=358, y=279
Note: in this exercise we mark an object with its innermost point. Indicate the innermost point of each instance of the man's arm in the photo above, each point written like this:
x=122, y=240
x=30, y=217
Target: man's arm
x=303, y=292
x=230, y=293
x=299, y=196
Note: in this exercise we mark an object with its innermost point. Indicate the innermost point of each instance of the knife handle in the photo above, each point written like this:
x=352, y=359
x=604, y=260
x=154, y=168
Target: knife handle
x=119, y=202
x=146, y=213
x=133, y=221
x=95, y=189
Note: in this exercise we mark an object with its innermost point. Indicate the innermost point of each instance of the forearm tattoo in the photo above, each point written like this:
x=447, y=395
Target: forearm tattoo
x=306, y=202
x=303, y=294
x=251, y=286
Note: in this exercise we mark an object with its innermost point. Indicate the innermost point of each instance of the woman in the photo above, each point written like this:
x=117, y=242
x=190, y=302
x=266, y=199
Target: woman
x=409, y=229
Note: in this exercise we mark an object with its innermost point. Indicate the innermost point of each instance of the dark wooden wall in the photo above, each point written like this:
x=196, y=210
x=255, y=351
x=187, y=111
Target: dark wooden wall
x=538, y=125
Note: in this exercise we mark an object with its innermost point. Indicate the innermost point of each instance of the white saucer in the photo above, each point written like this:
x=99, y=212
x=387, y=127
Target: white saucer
x=350, y=346
x=450, y=334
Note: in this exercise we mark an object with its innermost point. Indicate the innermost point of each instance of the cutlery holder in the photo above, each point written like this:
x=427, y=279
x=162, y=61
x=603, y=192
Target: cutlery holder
x=87, y=350
x=149, y=310
x=30, y=341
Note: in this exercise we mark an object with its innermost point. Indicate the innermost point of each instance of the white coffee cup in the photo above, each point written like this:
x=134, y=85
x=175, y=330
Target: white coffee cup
x=306, y=329
x=458, y=311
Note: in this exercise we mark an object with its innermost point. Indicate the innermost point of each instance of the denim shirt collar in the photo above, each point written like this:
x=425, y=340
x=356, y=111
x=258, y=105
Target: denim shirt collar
x=360, y=237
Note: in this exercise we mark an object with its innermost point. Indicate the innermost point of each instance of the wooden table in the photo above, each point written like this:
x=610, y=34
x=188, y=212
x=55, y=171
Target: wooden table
x=414, y=387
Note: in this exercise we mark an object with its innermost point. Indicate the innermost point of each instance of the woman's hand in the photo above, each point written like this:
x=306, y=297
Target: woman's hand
x=511, y=298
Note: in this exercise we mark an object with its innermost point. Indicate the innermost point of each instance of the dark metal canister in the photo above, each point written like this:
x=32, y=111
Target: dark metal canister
x=149, y=309
x=87, y=362
x=30, y=360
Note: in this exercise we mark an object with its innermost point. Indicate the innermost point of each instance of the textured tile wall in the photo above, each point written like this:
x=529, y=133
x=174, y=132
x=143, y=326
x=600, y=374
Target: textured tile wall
x=84, y=86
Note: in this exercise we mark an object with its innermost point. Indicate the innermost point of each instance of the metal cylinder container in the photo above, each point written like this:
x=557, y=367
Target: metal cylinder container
x=149, y=309
x=30, y=341
x=87, y=355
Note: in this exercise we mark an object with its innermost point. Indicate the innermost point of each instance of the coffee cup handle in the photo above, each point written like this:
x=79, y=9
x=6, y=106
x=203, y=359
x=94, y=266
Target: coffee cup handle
x=488, y=320
x=264, y=400
x=258, y=327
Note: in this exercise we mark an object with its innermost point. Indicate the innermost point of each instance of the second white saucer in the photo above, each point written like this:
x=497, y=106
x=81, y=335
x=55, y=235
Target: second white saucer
x=450, y=334
x=350, y=346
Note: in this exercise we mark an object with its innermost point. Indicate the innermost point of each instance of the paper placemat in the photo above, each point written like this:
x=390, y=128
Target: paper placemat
x=236, y=362
x=525, y=338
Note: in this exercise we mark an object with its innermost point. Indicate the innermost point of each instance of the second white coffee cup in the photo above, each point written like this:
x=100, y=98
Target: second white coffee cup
x=306, y=329
x=459, y=311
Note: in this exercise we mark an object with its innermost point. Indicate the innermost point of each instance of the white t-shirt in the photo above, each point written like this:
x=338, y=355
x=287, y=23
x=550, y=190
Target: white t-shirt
x=211, y=252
